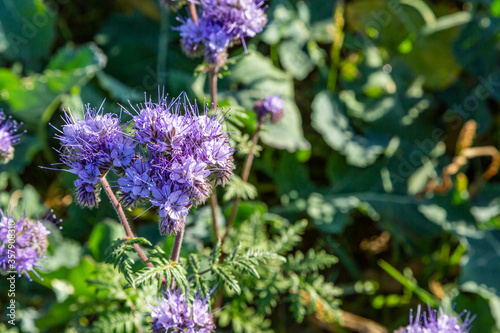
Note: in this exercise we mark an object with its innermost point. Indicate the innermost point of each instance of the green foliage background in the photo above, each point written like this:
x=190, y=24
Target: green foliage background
x=376, y=96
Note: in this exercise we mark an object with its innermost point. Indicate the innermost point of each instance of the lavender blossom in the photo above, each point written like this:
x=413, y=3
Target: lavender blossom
x=273, y=106
x=186, y=153
x=135, y=185
x=432, y=322
x=240, y=18
x=175, y=313
x=23, y=243
x=7, y=138
x=221, y=24
x=173, y=206
x=173, y=157
x=90, y=147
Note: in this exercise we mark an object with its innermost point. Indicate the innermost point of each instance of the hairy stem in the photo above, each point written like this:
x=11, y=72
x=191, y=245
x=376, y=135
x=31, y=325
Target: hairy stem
x=213, y=198
x=176, y=249
x=123, y=218
x=244, y=177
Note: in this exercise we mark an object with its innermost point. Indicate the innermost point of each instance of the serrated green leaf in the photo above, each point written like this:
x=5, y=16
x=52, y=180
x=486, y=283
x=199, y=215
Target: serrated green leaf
x=227, y=278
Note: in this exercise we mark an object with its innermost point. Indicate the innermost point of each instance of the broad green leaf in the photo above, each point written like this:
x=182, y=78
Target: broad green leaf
x=259, y=79
x=29, y=97
x=483, y=303
x=481, y=264
x=330, y=121
x=29, y=30
x=102, y=237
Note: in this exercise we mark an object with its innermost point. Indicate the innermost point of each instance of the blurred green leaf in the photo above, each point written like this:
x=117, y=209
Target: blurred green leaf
x=31, y=96
x=102, y=236
x=330, y=121
x=484, y=304
x=29, y=29
x=259, y=78
x=481, y=264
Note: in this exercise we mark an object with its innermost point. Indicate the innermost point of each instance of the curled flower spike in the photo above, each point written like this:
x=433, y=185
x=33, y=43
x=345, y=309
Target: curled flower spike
x=23, y=243
x=437, y=322
x=91, y=145
x=8, y=138
x=273, y=106
x=175, y=313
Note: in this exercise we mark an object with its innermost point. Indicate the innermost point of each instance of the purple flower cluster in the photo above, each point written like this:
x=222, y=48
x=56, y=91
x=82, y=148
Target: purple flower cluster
x=273, y=106
x=221, y=23
x=172, y=157
x=8, y=138
x=185, y=153
x=90, y=146
x=434, y=322
x=175, y=313
x=23, y=243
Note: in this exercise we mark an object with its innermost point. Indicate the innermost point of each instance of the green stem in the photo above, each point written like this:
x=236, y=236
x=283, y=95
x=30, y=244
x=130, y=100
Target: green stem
x=244, y=177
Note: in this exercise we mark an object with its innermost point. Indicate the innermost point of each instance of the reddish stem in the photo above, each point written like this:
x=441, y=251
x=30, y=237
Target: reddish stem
x=192, y=11
x=123, y=218
x=176, y=249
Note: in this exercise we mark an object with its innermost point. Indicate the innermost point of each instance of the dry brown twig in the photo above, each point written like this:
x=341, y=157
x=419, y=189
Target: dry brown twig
x=464, y=153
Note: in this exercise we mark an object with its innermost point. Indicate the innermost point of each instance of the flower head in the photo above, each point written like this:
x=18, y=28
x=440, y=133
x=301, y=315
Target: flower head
x=221, y=24
x=240, y=18
x=172, y=157
x=437, y=322
x=8, y=138
x=91, y=145
x=186, y=152
x=272, y=105
x=23, y=243
x=176, y=313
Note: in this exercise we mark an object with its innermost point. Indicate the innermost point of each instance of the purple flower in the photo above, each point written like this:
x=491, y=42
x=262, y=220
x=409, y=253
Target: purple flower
x=23, y=243
x=221, y=23
x=87, y=186
x=273, y=106
x=123, y=152
x=238, y=18
x=175, y=313
x=7, y=138
x=135, y=185
x=90, y=146
x=186, y=152
x=189, y=171
x=173, y=204
x=432, y=322
x=172, y=156
x=192, y=35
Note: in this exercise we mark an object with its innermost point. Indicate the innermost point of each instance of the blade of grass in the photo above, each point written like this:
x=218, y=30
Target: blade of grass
x=410, y=285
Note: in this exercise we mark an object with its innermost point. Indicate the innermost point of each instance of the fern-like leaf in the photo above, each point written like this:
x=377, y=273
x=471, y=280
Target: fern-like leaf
x=116, y=322
x=163, y=269
x=311, y=262
x=225, y=276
